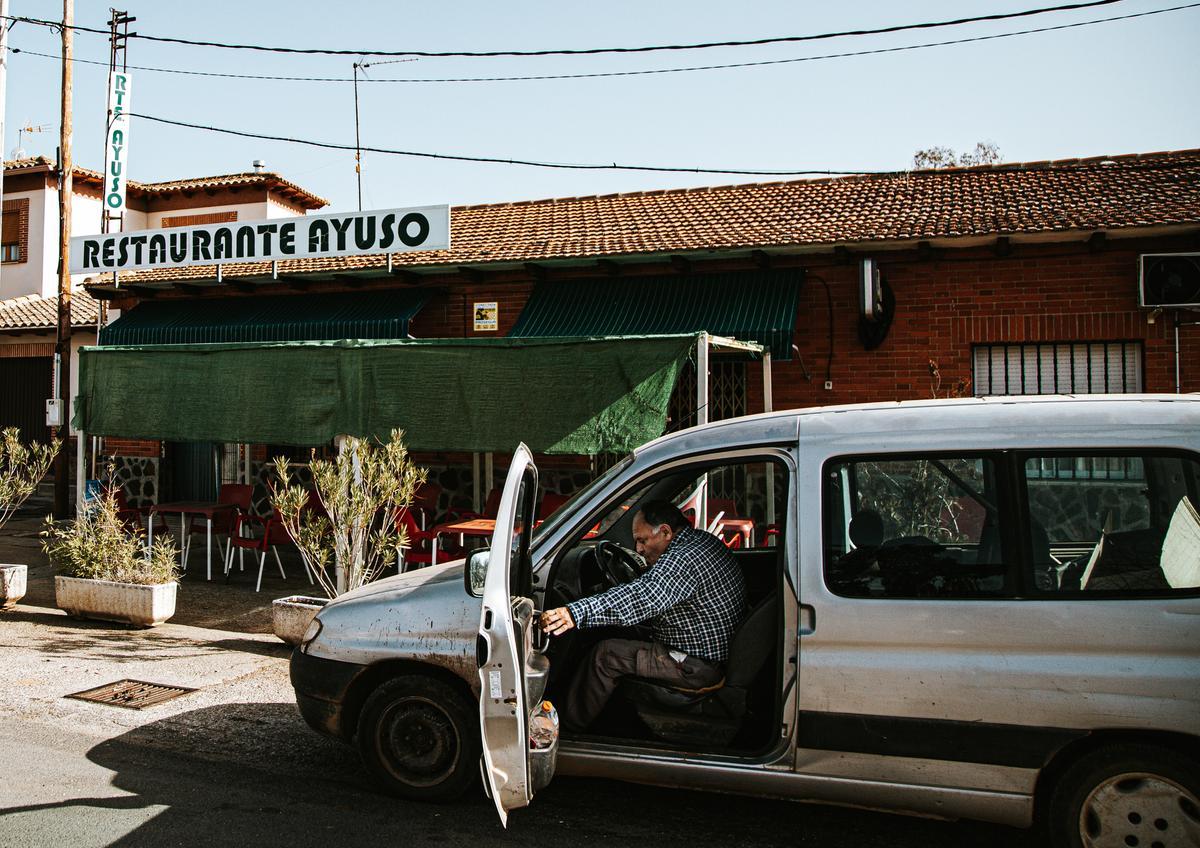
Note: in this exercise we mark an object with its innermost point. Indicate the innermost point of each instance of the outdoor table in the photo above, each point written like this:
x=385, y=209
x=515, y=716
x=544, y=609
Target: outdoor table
x=183, y=509
x=475, y=527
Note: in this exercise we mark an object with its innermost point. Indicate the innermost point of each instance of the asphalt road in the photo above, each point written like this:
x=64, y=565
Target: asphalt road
x=139, y=788
x=233, y=764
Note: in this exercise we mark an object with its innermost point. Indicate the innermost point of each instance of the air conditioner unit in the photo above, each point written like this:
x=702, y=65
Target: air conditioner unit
x=1169, y=279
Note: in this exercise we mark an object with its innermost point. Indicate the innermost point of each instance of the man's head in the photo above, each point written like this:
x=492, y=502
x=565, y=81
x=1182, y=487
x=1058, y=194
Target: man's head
x=654, y=526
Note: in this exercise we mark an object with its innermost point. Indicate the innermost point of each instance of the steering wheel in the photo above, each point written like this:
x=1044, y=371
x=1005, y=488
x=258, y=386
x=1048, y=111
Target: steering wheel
x=616, y=563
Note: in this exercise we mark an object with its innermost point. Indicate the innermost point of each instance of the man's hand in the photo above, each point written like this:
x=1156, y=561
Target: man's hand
x=557, y=621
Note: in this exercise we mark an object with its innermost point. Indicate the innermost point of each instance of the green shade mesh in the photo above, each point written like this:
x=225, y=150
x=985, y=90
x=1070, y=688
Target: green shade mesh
x=571, y=396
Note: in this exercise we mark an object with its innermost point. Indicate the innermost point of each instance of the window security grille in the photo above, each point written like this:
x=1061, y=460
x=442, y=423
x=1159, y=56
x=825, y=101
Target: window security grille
x=1058, y=368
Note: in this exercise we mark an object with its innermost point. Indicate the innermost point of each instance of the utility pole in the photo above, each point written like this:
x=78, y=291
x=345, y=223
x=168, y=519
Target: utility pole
x=62, y=347
x=357, y=141
x=3, y=86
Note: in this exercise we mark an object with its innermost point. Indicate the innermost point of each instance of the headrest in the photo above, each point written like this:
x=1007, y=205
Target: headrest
x=866, y=529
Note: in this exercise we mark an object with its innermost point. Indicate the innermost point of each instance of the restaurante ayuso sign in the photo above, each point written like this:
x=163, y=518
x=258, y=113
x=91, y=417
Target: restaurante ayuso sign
x=305, y=237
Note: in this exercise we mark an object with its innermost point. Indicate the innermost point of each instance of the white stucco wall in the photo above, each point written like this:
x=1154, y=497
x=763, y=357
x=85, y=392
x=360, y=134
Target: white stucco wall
x=26, y=277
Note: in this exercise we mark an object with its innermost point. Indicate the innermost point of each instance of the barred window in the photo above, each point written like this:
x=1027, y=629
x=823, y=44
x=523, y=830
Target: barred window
x=1058, y=368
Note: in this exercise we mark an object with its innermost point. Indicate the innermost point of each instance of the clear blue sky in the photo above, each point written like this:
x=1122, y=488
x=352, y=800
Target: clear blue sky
x=1113, y=88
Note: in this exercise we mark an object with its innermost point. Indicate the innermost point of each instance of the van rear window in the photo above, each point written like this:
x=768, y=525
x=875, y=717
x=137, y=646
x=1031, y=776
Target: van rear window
x=914, y=527
x=1113, y=524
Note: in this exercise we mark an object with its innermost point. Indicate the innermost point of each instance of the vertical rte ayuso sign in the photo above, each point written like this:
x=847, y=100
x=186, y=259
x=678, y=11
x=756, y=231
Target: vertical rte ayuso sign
x=267, y=240
x=116, y=144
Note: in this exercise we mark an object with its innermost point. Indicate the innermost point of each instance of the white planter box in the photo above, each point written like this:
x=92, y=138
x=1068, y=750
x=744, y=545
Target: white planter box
x=13, y=580
x=291, y=616
x=126, y=602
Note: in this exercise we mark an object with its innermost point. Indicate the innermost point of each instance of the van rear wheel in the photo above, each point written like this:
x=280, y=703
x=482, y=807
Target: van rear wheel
x=419, y=738
x=1140, y=796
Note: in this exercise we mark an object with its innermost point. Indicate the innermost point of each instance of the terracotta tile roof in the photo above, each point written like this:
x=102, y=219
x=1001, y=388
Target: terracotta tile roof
x=1103, y=193
x=33, y=312
x=266, y=178
x=30, y=162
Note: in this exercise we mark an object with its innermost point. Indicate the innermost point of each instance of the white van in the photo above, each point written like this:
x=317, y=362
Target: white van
x=978, y=608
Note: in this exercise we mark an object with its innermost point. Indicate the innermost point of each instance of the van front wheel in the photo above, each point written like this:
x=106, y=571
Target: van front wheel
x=419, y=738
x=1127, y=795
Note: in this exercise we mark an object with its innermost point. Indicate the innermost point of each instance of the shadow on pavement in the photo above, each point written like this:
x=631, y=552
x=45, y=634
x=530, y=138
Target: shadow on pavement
x=240, y=773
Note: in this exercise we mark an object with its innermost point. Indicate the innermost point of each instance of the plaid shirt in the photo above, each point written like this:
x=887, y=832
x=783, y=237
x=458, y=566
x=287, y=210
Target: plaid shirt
x=693, y=598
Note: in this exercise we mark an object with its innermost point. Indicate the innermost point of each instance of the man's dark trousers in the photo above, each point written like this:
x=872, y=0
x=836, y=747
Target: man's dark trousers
x=613, y=659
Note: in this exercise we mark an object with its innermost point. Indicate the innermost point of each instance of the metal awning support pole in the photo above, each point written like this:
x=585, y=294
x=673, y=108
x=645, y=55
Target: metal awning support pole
x=246, y=465
x=80, y=469
x=339, y=566
x=769, y=406
x=702, y=418
x=475, y=481
x=489, y=475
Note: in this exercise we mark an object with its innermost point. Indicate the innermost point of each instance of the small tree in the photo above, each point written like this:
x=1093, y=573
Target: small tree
x=98, y=545
x=21, y=468
x=361, y=490
x=985, y=153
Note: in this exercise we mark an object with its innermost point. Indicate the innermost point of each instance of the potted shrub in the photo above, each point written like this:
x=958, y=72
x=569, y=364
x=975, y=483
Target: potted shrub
x=21, y=468
x=106, y=572
x=352, y=529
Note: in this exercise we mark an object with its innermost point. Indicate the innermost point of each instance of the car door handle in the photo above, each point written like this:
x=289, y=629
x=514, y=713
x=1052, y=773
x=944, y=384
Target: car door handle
x=808, y=620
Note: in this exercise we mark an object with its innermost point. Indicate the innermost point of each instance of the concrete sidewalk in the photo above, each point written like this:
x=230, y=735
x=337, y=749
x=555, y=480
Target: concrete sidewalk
x=215, y=604
x=47, y=655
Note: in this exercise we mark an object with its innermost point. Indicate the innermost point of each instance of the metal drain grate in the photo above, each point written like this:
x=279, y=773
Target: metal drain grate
x=134, y=694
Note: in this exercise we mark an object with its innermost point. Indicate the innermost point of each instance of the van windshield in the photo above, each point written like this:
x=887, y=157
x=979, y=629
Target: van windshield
x=556, y=518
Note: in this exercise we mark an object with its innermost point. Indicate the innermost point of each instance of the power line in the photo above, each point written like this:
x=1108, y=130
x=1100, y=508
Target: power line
x=540, y=77
x=1098, y=164
x=592, y=51
x=500, y=161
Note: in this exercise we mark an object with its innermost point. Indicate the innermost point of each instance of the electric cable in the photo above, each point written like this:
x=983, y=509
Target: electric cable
x=500, y=161
x=646, y=72
x=587, y=51
x=569, y=166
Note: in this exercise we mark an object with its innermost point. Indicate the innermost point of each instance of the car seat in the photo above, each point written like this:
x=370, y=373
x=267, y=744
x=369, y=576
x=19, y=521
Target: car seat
x=714, y=714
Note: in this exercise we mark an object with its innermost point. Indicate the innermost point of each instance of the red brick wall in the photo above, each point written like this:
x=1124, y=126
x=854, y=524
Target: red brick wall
x=131, y=447
x=450, y=314
x=947, y=303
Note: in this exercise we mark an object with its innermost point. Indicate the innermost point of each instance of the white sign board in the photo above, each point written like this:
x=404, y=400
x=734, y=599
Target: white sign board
x=487, y=317
x=306, y=237
x=116, y=144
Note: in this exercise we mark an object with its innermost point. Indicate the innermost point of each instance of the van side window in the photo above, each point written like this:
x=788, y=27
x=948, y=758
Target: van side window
x=916, y=527
x=1113, y=525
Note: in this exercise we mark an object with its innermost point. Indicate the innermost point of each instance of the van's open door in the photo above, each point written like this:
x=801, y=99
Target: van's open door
x=519, y=729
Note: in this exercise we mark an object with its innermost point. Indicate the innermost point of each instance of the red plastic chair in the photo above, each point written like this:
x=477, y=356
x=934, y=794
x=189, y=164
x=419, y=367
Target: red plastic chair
x=490, y=509
x=420, y=542
x=272, y=534
x=425, y=504
x=237, y=495
x=550, y=502
x=722, y=510
x=132, y=516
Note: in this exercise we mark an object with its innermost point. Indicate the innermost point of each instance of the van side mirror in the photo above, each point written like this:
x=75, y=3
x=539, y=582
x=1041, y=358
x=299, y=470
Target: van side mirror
x=475, y=573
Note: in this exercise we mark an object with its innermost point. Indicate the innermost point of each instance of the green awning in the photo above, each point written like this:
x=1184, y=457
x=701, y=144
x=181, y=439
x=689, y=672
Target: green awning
x=752, y=306
x=578, y=396
x=355, y=315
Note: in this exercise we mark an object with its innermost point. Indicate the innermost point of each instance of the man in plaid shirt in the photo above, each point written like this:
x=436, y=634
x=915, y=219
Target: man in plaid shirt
x=692, y=596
